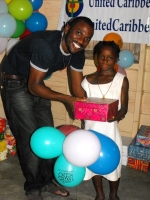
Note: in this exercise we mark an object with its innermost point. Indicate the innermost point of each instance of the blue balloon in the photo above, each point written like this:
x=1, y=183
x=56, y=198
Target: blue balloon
x=46, y=142
x=67, y=174
x=36, y=22
x=36, y=4
x=126, y=58
x=109, y=156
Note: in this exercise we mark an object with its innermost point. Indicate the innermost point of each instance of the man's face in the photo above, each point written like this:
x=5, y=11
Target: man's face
x=78, y=37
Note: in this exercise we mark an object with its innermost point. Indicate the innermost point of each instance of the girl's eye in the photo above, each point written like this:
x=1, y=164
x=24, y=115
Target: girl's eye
x=110, y=58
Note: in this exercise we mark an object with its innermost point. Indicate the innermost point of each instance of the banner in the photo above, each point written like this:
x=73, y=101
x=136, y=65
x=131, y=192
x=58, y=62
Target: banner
x=129, y=18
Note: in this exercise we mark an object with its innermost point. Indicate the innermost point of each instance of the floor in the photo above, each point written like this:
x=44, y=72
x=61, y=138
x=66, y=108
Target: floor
x=134, y=185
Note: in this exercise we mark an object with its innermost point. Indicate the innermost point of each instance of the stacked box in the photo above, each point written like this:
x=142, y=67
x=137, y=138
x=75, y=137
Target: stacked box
x=96, y=109
x=143, y=136
x=125, y=144
x=138, y=152
x=138, y=156
x=138, y=164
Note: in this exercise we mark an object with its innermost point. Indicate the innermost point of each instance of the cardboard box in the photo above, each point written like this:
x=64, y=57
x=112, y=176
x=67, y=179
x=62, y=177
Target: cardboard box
x=138, y=152
x=143, y=136
x=125, y=145
x=96, y=109
x=138, y=164
x=124, y=160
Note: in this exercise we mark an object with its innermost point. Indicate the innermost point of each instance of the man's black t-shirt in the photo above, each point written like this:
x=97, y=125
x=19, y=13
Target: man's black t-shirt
x=42, y=51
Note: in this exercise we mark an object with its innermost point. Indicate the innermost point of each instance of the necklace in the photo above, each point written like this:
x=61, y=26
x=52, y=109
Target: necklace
x=103, y=95
x=66, y=65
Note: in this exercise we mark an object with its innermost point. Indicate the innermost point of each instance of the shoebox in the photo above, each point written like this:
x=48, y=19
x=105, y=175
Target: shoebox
x=2, y=124
x=3, y=155
x=143, y=136
x=138, y=164
x=138, y=152
x=96, y=109
x=3, y=146
x=124, y=160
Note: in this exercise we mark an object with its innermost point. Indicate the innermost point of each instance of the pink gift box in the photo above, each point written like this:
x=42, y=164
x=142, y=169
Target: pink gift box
x=96, y=109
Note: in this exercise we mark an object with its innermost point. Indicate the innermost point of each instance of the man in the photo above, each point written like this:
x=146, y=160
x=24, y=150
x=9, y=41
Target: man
x=26, y=98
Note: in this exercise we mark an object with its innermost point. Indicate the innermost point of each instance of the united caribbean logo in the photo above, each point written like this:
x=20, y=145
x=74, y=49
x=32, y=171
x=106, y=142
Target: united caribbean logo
x=74, y=7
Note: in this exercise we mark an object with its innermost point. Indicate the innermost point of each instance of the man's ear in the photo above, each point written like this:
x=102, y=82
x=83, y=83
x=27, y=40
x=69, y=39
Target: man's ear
x=66, y=29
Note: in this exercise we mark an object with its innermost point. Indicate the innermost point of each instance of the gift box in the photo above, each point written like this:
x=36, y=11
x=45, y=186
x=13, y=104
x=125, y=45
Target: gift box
x=138, y=164
x=96, y=109
x=2, y=124
x=143, y=136
x=1, y=136
x=3, y=146
x=3, y=155
x=138, y=152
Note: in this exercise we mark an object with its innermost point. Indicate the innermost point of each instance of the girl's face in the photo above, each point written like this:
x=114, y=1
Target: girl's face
x=107, y=58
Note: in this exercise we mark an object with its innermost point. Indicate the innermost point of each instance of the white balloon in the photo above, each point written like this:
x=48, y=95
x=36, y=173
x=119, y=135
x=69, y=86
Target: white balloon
x=11, y=44
x=81, y=148
x=3, y=7
x=3, y=44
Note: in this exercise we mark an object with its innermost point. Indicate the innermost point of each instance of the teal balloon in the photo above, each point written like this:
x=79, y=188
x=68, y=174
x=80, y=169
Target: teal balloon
x=46, y=142
x=67, y=174
x=109, y=157
x=126, y=59
x=46, y=78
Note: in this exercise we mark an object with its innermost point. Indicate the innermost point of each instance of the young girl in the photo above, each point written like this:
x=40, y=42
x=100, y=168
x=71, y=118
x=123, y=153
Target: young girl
x=107, y=83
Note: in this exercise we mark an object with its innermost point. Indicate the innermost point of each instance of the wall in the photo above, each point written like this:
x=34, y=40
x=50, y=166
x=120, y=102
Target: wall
x=138, y=75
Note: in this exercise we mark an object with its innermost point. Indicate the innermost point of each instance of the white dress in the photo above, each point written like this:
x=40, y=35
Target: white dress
x=108, y=129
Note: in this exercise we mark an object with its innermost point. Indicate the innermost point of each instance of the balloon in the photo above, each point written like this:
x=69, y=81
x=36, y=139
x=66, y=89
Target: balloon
x=7, y=25
x=36, y=4
x=67, y=129
x=114, y=37
x=122, y=71
x=46, y=142
x=20, y=29
x=11, y=43
x=126, y=59
x=20, y=9
x=37, y=22
x=26, y=32
x=109, y=156
x=7, y=1
x=3, y=42
x=3, y=7
x=46, y=78
x=67, y=174
x=81, y=148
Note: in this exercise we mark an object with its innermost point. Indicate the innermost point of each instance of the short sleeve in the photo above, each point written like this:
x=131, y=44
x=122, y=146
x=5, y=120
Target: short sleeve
x=42, y=54
x=78, y=61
